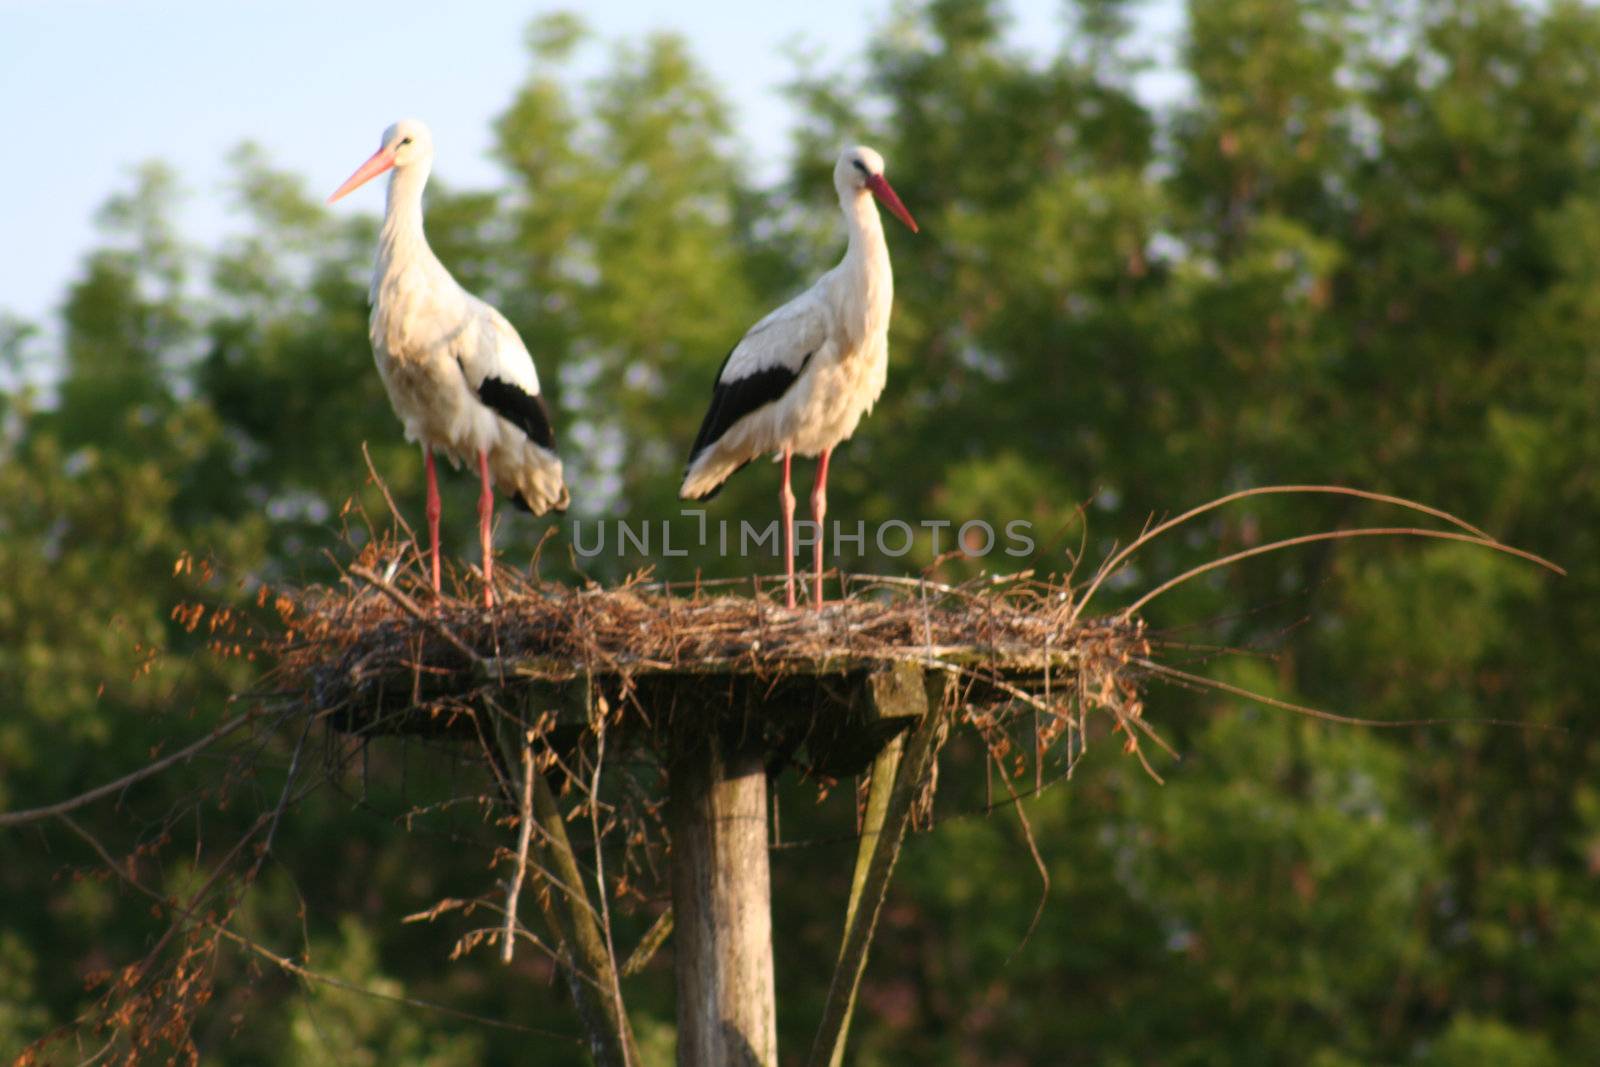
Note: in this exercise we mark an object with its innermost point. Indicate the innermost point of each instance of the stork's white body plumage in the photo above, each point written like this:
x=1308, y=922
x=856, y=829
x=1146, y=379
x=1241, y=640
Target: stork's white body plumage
x=458, y=375
x=436, y=345
x=802, y=378
x=833, y=340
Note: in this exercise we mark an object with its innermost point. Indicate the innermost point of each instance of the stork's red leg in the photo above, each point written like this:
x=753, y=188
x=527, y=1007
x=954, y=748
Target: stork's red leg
x=485, y=515
x=433, y=515
x=819, y=508
x=786, y=503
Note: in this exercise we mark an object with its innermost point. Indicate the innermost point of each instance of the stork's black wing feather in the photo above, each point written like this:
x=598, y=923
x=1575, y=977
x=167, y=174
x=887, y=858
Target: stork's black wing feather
x=524, y=410
x=732, y=401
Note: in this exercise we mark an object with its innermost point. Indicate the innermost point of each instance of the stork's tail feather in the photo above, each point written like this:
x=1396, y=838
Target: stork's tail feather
x=538, y=483
x=705, y=476
x=559, y=505
x=540, y=499
x=693, y=491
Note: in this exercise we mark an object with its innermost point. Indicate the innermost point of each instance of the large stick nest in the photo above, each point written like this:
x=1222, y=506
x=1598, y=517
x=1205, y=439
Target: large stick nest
x=377, y=657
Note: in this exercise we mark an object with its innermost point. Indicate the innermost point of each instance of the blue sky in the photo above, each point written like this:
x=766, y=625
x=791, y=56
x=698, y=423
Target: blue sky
x=89, y=88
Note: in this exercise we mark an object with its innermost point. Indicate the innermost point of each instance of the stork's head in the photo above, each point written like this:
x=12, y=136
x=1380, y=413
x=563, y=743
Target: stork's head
x=405, y=144
x=859, y=172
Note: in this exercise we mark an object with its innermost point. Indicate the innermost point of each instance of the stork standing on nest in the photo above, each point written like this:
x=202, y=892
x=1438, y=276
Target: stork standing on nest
x=458, y=375
x=801, y=379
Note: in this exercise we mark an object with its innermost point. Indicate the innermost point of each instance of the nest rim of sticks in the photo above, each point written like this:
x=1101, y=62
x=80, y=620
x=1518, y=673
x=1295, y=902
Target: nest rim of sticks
x=376, y=655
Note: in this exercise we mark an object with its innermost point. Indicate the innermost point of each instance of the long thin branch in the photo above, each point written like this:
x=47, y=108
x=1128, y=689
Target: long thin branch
x=383, y=487
x=288, y=787
x=1330, y=716
x=1033, y=848
x=1337, y=535
x=28, y=815
x=524, y=836
x=591, y=967
x=288, y=965
x=1111, y=565
x=649, y=944
x=599, y=859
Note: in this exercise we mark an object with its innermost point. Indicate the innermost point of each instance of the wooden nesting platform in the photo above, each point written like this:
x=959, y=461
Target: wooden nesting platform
x=798, y=684
x=722, y=692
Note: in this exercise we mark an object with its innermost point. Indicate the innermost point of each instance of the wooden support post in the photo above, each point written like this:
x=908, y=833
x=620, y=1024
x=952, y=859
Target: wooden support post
x=722, y=900
x=897, y=778
x=589, y=972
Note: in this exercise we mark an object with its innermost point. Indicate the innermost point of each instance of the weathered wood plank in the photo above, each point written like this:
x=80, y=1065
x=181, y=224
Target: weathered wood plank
x=898, y=692
x=722, y=903
x=884, y=770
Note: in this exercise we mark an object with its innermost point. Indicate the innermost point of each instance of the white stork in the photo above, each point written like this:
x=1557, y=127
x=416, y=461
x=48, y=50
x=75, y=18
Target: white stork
x=801, y=379
x=458, y=375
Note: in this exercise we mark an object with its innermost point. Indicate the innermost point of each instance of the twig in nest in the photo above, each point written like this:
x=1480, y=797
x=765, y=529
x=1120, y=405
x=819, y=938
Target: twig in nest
x=383, y=487
x=409, y=606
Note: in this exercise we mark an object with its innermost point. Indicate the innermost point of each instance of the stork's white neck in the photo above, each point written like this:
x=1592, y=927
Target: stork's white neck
x=402, y=215
x=404, y=257
x=863, y=282
x=865, y=226
x=866, y=260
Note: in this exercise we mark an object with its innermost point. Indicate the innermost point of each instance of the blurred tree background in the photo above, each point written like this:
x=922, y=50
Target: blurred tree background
x=1364, y=248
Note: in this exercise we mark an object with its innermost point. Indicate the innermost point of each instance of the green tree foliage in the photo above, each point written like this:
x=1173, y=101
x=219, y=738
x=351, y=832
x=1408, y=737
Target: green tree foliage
x=1362, y=246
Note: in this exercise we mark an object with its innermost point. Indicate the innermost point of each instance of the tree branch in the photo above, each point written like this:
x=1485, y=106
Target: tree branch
x=21, y=818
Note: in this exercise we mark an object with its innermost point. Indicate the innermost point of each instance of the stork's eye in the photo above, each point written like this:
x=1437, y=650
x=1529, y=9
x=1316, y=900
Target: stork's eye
x=862, y=167
x=405, y=140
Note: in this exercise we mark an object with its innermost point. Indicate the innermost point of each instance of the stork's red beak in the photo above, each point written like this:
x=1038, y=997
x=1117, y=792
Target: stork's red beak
x=381, y=161
x=885, y=192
